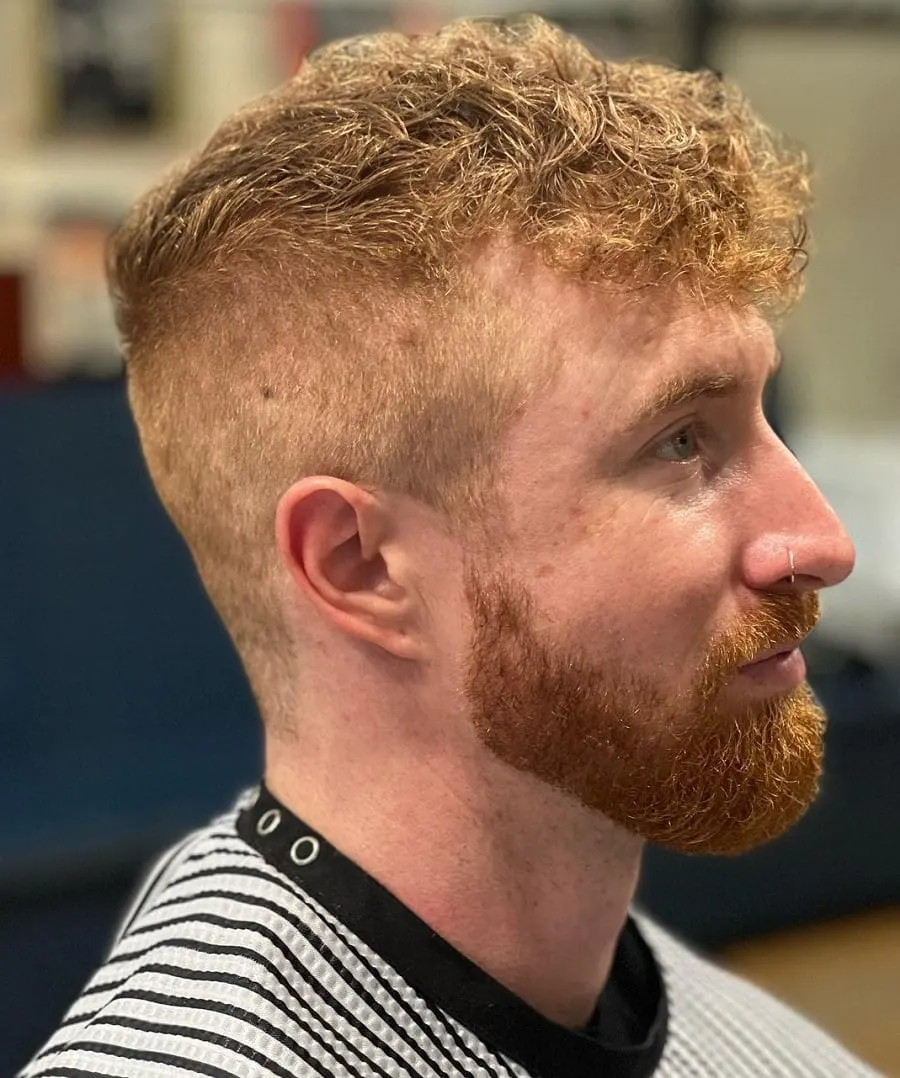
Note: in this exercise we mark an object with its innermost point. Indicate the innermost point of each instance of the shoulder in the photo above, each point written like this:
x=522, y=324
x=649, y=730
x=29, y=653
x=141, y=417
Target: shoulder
x=220, y=834
x=215, y=963
x=721, y=1024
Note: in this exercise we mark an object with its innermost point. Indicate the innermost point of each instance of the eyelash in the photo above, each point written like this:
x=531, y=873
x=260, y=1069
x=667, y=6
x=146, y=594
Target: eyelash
x=698, y=429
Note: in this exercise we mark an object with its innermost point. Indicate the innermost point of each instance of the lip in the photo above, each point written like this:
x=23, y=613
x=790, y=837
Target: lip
x=773, y=653
x=778, y=670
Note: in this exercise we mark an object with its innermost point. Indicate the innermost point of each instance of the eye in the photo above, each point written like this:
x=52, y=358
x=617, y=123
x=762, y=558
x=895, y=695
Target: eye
x=680, y=447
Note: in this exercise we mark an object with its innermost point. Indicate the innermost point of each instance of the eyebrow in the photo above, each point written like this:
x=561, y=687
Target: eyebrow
x=682, y=390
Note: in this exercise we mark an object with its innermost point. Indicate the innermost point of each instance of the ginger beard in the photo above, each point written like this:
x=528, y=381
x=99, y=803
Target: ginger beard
x=688, y=772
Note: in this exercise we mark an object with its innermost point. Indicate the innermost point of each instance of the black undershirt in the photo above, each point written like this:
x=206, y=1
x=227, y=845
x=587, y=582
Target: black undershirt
x=624, y=1038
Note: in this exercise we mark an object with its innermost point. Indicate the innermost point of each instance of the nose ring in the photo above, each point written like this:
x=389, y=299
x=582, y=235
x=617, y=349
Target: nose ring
x=793, y=575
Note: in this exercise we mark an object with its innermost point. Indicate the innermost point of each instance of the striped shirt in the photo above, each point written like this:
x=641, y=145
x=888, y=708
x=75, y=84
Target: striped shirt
x=256, y=950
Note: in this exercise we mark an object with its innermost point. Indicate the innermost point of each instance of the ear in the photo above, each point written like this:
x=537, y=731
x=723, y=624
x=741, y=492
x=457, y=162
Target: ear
x=339, y=544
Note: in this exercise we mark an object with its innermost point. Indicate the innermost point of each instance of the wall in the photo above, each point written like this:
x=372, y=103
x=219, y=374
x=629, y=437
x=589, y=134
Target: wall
x=839, y=93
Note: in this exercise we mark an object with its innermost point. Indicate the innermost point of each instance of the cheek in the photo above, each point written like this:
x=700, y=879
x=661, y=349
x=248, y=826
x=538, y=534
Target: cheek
x=647, y=588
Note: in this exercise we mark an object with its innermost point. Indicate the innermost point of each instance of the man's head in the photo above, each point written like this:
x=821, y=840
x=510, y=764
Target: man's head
x=481, y=321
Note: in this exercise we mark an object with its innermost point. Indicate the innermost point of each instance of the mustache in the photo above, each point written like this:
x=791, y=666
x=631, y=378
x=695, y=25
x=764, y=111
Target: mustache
x=777, y=620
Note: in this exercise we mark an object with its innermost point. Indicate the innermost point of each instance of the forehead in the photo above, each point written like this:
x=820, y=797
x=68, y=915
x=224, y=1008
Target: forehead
x=648, y=357
x=616, y=351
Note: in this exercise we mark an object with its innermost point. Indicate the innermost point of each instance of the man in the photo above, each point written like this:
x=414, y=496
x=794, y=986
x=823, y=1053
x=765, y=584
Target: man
x=447, y=359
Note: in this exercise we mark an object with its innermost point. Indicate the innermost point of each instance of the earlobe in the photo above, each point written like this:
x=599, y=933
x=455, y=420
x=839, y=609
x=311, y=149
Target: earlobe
x=335, y=540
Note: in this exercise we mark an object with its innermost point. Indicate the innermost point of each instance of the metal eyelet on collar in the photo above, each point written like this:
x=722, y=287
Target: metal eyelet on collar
x=267, y=823
x=305, y=850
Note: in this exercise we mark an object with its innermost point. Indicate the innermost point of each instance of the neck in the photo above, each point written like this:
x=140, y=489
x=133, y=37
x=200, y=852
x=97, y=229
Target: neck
x=454, y=832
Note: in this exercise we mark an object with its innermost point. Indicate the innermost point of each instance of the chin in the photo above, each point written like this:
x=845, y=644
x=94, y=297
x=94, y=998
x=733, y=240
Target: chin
x=752, y=820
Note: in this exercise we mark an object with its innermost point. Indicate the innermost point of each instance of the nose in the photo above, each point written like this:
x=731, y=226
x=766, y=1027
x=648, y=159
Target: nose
x=798, y=542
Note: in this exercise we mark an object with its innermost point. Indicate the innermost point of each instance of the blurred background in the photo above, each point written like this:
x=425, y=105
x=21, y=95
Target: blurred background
x=124, y=717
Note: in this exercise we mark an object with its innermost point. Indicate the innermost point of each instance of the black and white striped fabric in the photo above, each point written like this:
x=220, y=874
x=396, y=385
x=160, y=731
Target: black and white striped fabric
x=257, y=949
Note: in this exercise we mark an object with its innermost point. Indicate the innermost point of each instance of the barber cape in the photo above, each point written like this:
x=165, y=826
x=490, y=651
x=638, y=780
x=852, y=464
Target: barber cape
x=257, y=950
